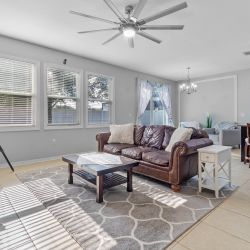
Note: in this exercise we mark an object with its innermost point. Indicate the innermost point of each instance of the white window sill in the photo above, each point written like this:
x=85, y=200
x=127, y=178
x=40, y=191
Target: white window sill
x=18, y=128
x=61, y=127
x=98, y=125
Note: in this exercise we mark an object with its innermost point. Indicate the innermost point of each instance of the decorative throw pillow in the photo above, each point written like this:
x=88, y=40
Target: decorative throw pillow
x=122, y=133
x=180, y=134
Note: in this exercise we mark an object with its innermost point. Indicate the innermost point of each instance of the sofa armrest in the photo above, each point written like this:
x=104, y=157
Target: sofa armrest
x=102, y=139
x=190, y=146
x=210, y=131
x=184, y=159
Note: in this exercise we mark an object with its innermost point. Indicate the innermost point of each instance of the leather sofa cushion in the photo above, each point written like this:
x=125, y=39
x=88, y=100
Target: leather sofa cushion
x=116, y=148
x=136, y=152
x=199, y=133
x=153, y=136
x=168, y=133
x=158, y=157
x=138, y=133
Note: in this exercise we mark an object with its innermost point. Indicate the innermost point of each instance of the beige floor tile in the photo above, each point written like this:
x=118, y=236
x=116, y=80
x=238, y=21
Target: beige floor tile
x=178, y=246
x=240, y=171
x=172, y=245
x=8, y=178
x=45, y=164
x=188, y=231
x=205, y=237
x=239, y=179
x=238, y=202
x=230, y=222
x=242, y=193
x=245, y=189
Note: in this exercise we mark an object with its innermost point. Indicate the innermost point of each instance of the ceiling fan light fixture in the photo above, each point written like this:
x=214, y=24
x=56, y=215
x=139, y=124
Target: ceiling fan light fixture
x=131, y=25
x=133, y=19
x=129, y=32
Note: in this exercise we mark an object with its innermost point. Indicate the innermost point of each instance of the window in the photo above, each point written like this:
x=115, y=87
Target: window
x=63, y=98
x=155, y=113
x=100, y=94
x=17, y=94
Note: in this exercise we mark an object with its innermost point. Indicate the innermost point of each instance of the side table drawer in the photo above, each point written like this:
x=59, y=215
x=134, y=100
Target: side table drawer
x=207, y=157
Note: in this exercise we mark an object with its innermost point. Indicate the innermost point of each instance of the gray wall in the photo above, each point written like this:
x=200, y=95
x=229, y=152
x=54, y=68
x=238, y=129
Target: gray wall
x=244, y=96
x=217, y=97
x=28, y=145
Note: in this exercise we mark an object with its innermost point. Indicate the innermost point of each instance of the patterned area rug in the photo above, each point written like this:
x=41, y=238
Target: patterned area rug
x=150, y=217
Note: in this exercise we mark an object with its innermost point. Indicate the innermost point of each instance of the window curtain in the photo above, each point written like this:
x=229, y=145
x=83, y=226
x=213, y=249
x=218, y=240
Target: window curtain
x=165, y=96
x=144, y=90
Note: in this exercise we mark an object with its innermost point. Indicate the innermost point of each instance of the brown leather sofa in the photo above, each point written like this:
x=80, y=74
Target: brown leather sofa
x=149, y=148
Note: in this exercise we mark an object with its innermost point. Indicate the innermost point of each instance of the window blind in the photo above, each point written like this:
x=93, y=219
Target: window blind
x=61, y=83
x=16, y=92
x=62, y=97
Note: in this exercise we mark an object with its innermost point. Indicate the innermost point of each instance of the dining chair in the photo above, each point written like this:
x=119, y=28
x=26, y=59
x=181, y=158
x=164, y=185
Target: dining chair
x=247, y=146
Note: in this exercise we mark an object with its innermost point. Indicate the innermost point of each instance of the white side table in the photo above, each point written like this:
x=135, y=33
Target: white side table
x=214, y=167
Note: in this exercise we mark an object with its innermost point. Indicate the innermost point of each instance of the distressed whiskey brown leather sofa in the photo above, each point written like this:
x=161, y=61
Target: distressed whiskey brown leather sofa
x=149, y=148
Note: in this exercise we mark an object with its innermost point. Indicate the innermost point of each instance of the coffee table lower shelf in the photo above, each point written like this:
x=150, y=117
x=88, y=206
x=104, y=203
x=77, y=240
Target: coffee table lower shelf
x=99, y=182
x=109, y=180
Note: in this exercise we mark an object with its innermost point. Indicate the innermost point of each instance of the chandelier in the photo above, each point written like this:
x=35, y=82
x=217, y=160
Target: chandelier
x=188, y=87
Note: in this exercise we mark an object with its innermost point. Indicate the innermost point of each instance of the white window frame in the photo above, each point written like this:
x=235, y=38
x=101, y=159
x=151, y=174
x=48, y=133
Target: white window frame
x=35, y=97
x=111, y=100
x=79, y=95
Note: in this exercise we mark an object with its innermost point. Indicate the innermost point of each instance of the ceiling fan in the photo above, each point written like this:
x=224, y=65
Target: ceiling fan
x=132, y=25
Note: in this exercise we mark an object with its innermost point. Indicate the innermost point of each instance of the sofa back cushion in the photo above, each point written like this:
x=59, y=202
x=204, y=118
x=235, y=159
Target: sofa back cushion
x=168, y=133
x=153, y=136
x=199, y=133
x=138, y=133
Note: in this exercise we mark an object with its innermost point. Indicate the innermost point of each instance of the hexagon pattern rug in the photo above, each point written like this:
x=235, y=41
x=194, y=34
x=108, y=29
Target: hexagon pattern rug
x=150, y=217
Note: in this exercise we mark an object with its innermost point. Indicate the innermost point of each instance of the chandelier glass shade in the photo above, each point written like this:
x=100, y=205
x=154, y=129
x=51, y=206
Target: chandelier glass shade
x=188, y=87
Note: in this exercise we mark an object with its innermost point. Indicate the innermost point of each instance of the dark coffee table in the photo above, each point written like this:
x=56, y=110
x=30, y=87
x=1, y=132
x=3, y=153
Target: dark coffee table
x=98, y=170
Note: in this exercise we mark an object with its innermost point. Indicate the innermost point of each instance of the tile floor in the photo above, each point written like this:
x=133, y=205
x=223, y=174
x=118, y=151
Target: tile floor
x=226, y=227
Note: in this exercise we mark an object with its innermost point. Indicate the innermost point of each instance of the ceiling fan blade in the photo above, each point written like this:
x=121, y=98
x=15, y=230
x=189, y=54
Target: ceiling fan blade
x=131, y=42
x=138, y=9
x=146, y=35
x=93, y=17
x=92, y=31
x=112, y=38
x=115, y=10
x=162, y=27
x=163, y=13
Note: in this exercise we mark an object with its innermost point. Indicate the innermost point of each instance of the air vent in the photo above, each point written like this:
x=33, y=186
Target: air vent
x=246, y=53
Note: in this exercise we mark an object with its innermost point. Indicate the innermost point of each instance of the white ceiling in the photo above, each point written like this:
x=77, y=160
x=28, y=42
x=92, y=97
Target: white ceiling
x=215, y=35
